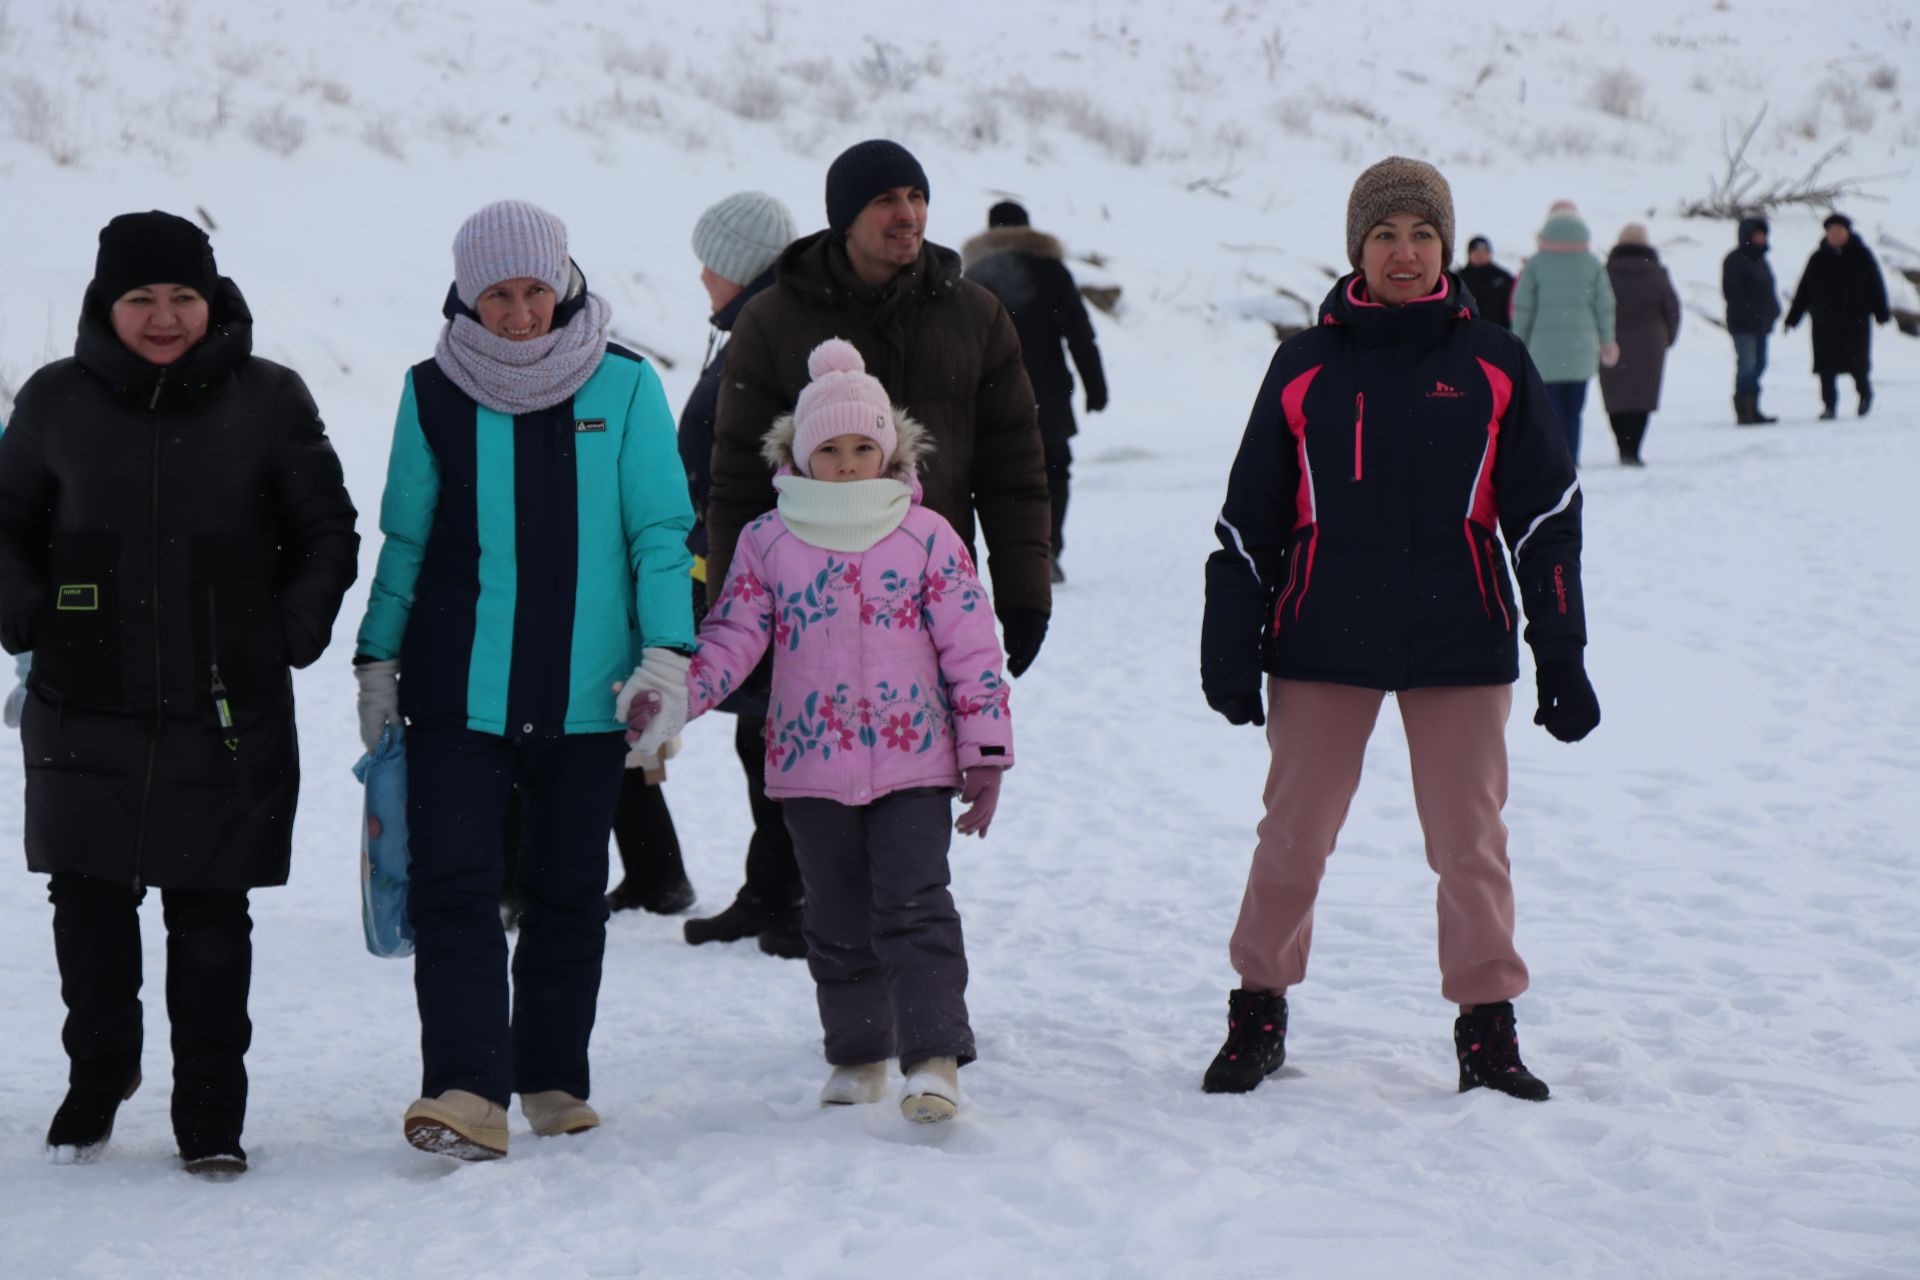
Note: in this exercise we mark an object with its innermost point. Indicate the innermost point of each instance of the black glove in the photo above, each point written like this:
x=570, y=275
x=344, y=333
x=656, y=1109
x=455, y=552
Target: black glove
x=1098, y=402
x=1568, y=707
x=1024, y=629
x=1239, y=708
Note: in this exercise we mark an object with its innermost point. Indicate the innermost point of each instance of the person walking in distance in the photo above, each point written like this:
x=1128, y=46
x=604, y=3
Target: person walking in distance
x=1027, y=270
x=1753, y=305
x=1373, y=432
x=1563, y=310
x=1844, y=293
x=1490, y=283
x=1646, y=322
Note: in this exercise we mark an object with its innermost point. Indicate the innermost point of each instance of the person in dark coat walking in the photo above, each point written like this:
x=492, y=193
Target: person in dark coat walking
x=737, y=242
x=1842, y=290
x=1646, y=322
x=1753, y=305
x=941, y=345
x=1345, y=571
x=1027, y=271
x=174, y=536
x=1490, y=283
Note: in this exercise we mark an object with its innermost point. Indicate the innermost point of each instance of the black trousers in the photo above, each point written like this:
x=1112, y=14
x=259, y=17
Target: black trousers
x=1056, y=435
x=96, y=939
x=1830, y=386
x=884, y=944
x=773, y=873
x=473, y=1035
x=643, y=831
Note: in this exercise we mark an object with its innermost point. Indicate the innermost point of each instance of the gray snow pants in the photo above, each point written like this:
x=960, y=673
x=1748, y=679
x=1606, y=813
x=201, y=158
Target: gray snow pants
x=883, y=936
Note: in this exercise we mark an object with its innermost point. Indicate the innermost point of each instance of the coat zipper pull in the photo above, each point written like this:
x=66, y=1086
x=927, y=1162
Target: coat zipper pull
x=153, y=402
x=218, y=688
x=1359, y=427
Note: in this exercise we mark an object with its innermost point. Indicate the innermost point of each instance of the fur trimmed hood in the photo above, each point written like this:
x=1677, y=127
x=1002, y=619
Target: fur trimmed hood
x=916, y=443
x=998, y=240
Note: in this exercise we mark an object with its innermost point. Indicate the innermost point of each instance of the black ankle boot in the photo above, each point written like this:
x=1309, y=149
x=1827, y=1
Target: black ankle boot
x=84, y=1121
x=785, y=941
x=1866, y=400
x=212, y=1154
x=668, y=899
x=748, y=917
x=1489, y=1052
x=1256, y=1042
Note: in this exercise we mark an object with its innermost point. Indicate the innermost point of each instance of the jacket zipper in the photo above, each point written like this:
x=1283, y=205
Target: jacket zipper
x=1493, y=565
x=153, y=738
x=1359, y=428
x=218, y=687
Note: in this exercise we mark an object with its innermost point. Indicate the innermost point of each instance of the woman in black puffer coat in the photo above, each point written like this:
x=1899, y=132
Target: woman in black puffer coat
x=174, y=536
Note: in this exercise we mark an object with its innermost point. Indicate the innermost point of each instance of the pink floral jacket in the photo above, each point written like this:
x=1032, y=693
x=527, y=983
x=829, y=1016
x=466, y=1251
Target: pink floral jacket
x=886, y=666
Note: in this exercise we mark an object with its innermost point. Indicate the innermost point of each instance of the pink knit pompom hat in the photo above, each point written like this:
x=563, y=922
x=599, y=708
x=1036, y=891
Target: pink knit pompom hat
x=842, y=400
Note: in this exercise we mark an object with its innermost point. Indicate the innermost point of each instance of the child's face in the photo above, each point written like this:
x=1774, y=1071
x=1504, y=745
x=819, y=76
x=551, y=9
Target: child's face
x=848, y=457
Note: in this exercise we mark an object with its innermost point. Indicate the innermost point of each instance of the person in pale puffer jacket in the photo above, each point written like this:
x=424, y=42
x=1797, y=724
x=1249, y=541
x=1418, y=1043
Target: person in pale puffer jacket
x=887, y=697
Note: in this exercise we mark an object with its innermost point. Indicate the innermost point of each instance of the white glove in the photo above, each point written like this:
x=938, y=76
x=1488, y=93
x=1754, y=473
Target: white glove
x=664, y=672
x=379, y=699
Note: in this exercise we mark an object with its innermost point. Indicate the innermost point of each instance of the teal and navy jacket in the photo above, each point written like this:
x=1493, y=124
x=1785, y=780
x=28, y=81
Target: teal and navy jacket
x=530, y=557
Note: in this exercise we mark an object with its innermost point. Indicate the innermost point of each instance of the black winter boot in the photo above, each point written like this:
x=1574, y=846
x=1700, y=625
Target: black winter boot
x=748, y=917
x=1742, y=409
x=787, y=942
x=1760, y=419
x=1866, y=400
x=1489, y=1053
x=1829, y=399
x=84, y=1122
x=661, y=900
x=1256, y=1042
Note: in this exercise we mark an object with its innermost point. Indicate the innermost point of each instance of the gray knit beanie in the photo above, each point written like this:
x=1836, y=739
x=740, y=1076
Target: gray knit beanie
x=739, y=238
x=1399, y=185
x=506, y=241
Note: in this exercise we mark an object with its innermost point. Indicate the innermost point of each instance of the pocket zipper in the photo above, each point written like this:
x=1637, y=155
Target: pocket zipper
x=1359, y=428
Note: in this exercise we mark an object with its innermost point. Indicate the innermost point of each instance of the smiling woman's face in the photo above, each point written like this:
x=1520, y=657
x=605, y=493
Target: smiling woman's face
x=517, y=309
x=160, y=322
x=1401, y=259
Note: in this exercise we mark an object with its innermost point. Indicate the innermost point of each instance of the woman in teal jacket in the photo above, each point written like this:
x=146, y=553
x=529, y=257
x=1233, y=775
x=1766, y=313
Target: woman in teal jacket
x=536, y=519
x=1563, y=311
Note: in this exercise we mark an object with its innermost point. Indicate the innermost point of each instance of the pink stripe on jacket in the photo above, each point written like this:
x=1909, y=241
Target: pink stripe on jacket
x=886, y=665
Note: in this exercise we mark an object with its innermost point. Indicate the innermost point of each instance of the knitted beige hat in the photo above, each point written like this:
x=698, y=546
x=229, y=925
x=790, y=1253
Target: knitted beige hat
x=1399, y=185
x=1633, y=233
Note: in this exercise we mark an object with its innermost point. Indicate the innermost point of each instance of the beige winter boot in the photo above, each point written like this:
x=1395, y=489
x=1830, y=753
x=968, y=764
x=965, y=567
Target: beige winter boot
x=850, y=1085
x=932, y=1092
x=459, y=1124
x=552, y=1112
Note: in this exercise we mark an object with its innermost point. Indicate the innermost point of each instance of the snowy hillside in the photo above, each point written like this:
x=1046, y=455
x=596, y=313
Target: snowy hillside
x=1717, y=890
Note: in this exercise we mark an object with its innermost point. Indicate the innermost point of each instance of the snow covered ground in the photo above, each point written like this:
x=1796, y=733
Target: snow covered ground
x=1717, y=890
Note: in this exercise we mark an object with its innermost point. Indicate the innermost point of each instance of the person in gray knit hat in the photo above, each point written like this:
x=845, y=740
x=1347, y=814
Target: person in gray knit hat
x=534, y=563
x=1376, y=431
x=737, y=242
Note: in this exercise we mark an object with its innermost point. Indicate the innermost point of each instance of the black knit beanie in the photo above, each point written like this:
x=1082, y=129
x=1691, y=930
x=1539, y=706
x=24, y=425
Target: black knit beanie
x=1838, y=220
x=862, y=172
x=1007, y=214
x=153, y=248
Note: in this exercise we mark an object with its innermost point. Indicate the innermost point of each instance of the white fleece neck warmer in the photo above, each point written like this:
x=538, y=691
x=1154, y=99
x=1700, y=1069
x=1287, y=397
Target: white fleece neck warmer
x=850, y=515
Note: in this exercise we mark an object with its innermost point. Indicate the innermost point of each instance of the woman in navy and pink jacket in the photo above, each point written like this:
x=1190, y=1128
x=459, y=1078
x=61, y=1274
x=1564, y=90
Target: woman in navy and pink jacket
x=1390, y=452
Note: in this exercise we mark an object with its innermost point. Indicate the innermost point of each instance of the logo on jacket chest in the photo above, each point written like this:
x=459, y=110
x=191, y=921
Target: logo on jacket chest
x=582, y=425
x=1441, y=391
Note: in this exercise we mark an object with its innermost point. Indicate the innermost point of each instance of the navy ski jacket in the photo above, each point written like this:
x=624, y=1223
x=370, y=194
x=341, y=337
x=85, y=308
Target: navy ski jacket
x=1389, y=452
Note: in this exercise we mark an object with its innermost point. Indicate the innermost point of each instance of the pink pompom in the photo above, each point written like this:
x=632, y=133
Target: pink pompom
x=835, y=355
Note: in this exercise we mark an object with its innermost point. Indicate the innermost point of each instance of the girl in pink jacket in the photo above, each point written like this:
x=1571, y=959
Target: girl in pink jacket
x=887, y=697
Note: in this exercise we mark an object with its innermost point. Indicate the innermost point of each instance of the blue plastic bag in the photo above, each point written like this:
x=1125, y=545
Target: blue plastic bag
x=383, y=846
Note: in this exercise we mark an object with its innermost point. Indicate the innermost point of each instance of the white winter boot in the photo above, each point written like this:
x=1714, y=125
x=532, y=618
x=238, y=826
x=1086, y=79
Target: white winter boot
x=552, y=1112
x=848, y=1086
x=460, y=1124
x=932, y=1092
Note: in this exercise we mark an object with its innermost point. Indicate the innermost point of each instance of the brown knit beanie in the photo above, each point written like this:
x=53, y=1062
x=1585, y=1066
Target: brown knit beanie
x=1399, y=185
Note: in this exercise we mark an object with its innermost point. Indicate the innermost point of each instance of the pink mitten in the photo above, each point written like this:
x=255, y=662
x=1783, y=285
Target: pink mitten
x=980, y=795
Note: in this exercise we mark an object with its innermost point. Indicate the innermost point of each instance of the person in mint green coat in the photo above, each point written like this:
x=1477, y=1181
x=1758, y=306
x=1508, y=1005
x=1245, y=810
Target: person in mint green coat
x=536, y=519
x=1563, y=311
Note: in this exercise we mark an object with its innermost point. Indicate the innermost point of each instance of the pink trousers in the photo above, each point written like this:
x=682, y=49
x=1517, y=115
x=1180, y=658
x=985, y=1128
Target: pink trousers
x=1456, y=739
